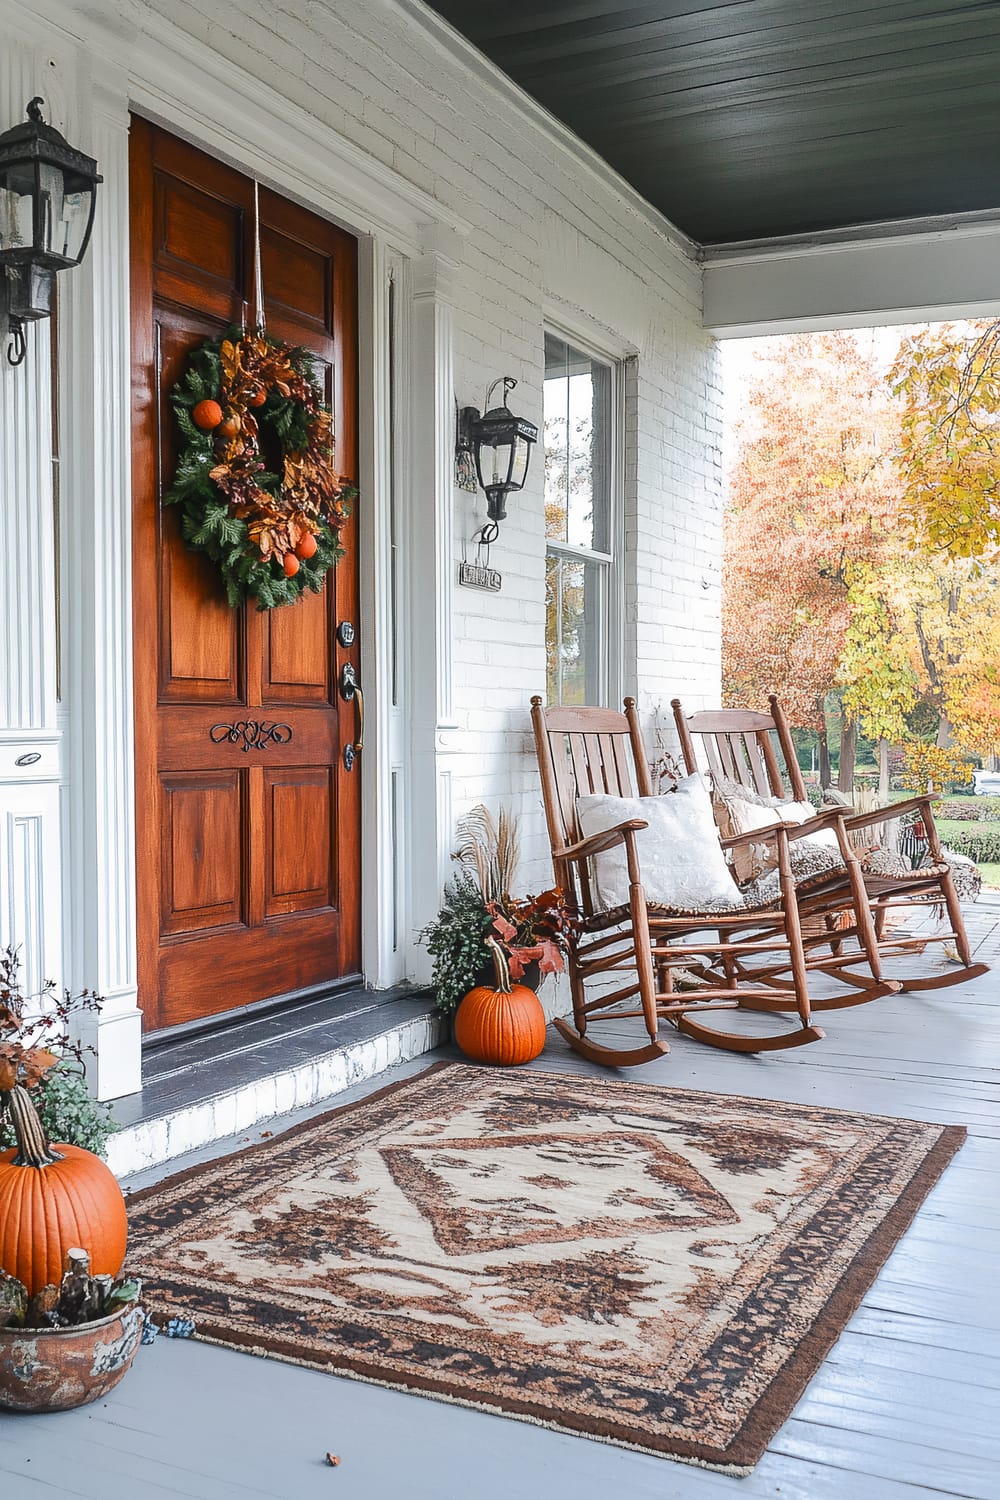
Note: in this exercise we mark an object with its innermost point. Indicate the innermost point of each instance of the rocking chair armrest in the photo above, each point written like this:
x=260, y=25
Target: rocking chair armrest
x=922, y=803
x=826, y=815
x=759, y=835
x=598, y=842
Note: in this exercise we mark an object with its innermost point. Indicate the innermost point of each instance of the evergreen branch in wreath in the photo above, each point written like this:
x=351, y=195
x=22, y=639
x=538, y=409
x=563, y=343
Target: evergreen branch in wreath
x=272, y=531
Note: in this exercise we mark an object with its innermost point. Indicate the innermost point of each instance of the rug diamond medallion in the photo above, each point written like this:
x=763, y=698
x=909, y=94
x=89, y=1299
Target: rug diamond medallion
x=511, y=1190
x=653, y=1267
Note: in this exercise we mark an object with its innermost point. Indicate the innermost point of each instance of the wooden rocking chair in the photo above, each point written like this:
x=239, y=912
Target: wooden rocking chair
x=749, y=748
x=582, y=751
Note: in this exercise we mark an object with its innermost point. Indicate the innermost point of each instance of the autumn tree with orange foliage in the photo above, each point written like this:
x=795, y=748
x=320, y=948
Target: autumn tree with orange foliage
x=813, y=508
x=863, y=536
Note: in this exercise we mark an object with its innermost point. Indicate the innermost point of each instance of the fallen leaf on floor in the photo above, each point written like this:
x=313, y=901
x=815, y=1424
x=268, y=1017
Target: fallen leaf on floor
x=333, y=1459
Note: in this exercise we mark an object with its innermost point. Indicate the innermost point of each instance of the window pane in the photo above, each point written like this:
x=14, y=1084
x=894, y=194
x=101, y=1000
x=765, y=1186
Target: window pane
x=577, y=445
x=574, y=610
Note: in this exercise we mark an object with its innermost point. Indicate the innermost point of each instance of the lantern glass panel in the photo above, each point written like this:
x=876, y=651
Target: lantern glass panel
x=497, y=465
x=50, y=209
x=519, y=470
x=74, y=226
x=17, y=186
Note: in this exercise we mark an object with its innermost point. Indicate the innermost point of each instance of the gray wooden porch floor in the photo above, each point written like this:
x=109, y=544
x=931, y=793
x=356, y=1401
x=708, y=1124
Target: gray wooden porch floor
x=906, y=1406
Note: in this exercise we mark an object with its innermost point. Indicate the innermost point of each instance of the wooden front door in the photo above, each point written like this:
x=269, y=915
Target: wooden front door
x=247, y=846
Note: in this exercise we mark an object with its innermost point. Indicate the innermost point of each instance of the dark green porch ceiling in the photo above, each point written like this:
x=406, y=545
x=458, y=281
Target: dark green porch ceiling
x=741, y=119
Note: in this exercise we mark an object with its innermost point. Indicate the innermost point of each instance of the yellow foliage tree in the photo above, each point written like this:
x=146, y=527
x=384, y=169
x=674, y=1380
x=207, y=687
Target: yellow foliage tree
x=949, y=453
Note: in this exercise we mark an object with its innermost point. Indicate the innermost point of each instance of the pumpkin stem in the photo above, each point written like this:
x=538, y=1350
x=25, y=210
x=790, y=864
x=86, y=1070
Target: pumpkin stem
x=501, y=965
x=33, y=1149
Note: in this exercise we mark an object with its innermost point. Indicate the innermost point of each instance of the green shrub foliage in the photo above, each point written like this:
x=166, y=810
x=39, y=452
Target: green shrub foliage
x=455, y=941
x=982, y=844
x=67, y=1111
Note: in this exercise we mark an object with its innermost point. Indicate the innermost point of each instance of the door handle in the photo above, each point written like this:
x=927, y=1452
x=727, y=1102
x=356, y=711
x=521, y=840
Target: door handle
x=350, y=689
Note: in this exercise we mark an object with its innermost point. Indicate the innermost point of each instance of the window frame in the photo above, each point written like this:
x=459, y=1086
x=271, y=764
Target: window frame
x=610, y=629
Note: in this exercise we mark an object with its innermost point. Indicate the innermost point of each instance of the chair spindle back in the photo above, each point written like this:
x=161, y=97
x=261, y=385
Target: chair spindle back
x=583, y=751
x=741, y=745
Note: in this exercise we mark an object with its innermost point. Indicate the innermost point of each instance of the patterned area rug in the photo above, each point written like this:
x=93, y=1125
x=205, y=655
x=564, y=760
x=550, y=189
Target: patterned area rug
x=656, y=1268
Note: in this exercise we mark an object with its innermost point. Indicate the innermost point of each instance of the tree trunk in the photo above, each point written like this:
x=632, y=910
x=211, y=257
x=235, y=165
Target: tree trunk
x=825, y=777
x=944, y=737
x=848, y=754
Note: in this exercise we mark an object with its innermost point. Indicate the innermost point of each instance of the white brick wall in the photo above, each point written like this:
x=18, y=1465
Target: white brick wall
x=550, y=228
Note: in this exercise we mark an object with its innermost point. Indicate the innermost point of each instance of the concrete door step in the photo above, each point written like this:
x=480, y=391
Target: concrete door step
x=208, y=1086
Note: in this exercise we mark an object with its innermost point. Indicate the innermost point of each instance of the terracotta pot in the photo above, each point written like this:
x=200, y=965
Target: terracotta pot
x=54, y=1369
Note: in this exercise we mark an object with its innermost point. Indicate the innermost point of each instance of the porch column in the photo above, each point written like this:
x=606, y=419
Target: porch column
x=97, y=608
x=430, y=543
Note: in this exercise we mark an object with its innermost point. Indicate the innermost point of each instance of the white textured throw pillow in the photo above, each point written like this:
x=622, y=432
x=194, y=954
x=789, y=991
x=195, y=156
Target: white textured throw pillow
x=747, y=817
x=681, y=862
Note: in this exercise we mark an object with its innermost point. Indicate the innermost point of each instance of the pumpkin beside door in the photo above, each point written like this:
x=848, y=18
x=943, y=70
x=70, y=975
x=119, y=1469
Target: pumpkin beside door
x=502, y=1023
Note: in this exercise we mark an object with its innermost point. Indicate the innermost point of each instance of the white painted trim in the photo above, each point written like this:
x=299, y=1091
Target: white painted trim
x=428, y=502
x=577, y=326
x=900, y=231
x=848, y=282
x=380, y=962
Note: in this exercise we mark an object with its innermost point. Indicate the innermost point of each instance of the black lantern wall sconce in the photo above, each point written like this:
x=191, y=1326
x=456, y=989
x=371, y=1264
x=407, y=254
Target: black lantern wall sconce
x=48, y=192
x=500, y=444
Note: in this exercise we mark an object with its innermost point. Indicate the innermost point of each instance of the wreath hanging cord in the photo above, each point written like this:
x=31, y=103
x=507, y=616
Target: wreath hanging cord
x=272, y=533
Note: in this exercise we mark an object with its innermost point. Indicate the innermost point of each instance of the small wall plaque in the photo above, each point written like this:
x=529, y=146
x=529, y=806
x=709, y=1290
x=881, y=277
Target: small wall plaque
x=475, y=577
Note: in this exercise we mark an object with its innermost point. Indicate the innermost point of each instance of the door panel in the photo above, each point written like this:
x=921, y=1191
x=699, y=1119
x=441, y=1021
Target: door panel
x=301, y=838
x=297, y=655
x=201, y=851
x=248, y=823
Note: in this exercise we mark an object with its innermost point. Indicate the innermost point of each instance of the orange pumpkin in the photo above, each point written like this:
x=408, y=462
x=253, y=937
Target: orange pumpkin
x=503, y=1025
x=53, y=1198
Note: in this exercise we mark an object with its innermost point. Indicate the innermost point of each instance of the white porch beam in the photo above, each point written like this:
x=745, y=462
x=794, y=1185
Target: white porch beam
x=884, y=275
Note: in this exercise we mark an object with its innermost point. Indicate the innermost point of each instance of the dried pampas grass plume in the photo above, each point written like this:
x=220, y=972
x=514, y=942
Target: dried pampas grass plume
x=490, y=848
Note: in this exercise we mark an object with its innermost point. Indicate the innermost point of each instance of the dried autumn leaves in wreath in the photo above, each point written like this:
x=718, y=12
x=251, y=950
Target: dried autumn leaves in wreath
x=255, y=476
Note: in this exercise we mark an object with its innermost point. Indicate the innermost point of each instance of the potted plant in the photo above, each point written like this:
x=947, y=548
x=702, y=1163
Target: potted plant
x=503, y=1022
x=484, y=940
x=68, y=1330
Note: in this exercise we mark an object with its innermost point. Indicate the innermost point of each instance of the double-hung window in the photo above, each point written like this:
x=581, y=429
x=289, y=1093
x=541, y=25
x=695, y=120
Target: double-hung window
x=583, y=394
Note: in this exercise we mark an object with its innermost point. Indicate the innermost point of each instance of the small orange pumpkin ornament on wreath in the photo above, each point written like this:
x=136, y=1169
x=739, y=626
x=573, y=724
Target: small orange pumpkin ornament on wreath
x=273, y=531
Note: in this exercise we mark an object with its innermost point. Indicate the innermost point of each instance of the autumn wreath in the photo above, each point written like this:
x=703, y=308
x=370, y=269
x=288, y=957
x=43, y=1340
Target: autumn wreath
x=255, y=475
